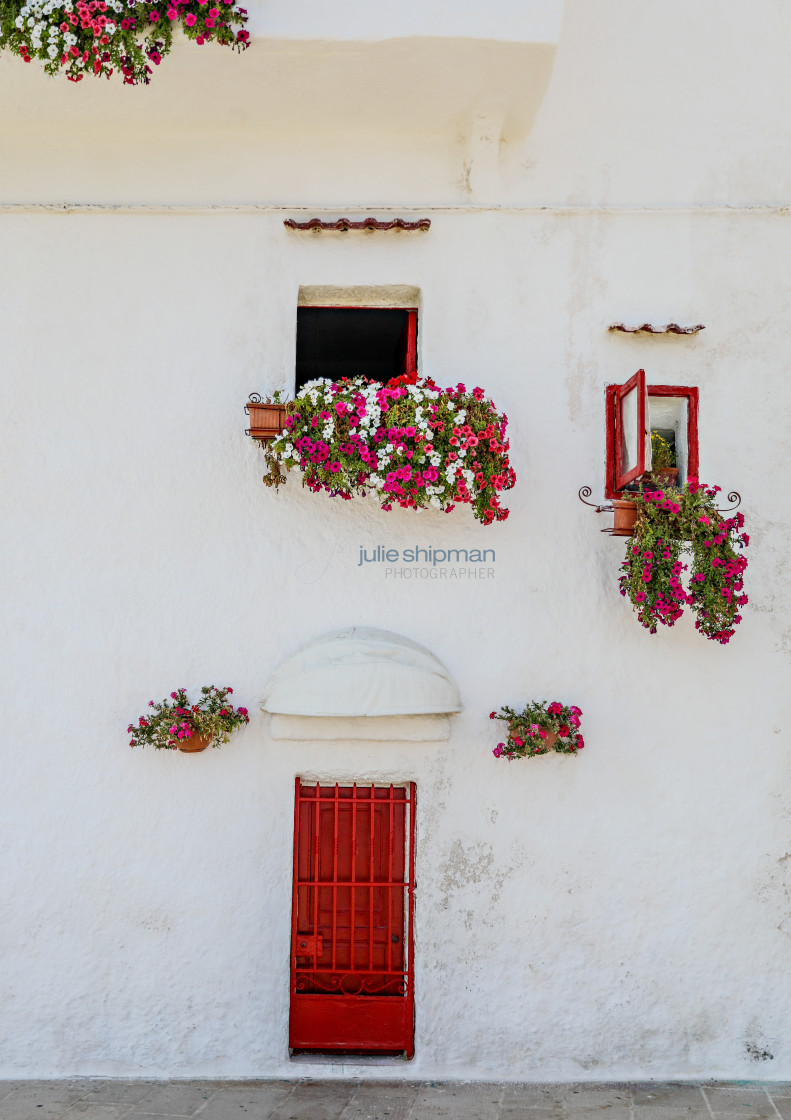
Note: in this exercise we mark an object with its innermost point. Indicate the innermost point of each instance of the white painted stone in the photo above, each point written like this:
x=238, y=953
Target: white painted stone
x=361, y=671
x=376, y=729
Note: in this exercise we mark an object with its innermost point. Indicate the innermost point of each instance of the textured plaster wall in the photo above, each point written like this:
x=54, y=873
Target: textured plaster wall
x=625, y=913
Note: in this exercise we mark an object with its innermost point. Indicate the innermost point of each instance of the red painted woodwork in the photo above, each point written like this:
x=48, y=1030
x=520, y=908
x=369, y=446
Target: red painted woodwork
x=690, y=392
x=411, y=345
x=352, y=975
x=635, y=385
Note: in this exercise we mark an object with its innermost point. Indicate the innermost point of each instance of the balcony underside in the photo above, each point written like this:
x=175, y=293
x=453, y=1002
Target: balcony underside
x=216, y=127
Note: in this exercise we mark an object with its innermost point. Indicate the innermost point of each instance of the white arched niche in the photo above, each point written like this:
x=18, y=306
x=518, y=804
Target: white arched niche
x=361, y=683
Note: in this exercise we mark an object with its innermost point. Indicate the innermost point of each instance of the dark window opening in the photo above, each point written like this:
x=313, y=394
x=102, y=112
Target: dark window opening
x=336, y=342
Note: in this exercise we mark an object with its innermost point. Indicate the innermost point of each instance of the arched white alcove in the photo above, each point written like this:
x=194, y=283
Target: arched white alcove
x=361, y=683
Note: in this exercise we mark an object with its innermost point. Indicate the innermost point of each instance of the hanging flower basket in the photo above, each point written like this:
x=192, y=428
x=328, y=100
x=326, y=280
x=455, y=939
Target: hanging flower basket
x=539, y=728
x=686, y=522
x=410, y=444
x=175, y=724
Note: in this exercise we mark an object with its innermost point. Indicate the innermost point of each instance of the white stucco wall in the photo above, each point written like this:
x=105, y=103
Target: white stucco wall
x=624, y=913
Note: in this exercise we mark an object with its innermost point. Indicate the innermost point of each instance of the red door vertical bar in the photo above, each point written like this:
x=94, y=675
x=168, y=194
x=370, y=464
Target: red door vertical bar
x=371, y=883
x=408, y=948
x=335, y=878
x=411, y=343
x=295, y=892
x=360, y=999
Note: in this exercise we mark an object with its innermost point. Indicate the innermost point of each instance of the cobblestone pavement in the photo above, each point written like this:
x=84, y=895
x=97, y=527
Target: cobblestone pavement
x=390, y=1100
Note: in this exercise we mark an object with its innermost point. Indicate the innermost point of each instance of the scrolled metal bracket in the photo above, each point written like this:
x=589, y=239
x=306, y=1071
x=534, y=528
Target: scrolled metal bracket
x=585, y=492
x=733, y=497
x=255, y=398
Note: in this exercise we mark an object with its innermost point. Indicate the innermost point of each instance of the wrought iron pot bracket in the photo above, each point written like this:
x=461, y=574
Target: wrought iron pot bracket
x=585, y=492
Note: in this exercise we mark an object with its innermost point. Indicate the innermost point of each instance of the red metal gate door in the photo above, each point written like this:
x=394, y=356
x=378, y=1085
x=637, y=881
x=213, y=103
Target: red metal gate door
x=351, y=927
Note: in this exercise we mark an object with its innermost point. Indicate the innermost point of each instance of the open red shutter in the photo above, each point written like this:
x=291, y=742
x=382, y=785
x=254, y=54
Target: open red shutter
x=632, y=457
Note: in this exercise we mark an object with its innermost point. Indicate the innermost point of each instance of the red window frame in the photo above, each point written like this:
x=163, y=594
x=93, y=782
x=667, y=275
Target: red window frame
x=410, y=361
x=352, y=955
x=613, y=394
x=634, y=384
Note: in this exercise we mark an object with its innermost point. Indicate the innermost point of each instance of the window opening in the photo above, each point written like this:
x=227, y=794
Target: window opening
x=638, y=413
x=373, y=342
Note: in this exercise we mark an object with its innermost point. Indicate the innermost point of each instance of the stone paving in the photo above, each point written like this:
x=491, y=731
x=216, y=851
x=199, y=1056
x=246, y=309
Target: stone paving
x=390, y=1100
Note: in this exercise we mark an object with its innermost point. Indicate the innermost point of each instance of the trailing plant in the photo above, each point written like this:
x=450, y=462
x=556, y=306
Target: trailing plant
x=101, y=37
x=176, y=719
x=539, y=728
x=411, y=444
x=671, y=524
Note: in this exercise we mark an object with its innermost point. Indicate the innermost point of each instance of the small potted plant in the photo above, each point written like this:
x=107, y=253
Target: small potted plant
x=664, y=471
x=175, y=724
x=267, y=417
x=539, y=728
x=686, y=522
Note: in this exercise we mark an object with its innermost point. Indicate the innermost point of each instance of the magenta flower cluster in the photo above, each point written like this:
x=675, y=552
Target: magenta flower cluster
x=175, y=719
x=539, y=728
x=410, y=444
x=675, y=523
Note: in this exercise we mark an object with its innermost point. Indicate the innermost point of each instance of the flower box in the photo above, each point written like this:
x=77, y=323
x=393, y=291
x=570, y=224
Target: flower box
x=408, y=443
x=267, y=419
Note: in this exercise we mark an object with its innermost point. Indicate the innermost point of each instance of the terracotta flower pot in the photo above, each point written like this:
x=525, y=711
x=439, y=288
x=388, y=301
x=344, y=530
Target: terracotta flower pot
x=548, y=743
x=195, y=744
x=625, y=515
x=666, y=476
x=266, y=420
